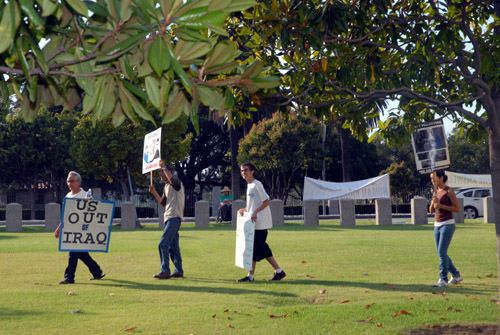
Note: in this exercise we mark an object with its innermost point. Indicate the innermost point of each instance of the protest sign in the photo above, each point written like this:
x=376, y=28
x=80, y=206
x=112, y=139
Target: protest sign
x=245, y=232
x=152, y=148
x=430, y=147
x=86, y=225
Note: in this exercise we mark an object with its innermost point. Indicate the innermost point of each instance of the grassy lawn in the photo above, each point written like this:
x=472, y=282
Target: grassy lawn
x=340, y=280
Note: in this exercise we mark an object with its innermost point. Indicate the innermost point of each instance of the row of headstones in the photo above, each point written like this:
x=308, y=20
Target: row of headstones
x=383, y=213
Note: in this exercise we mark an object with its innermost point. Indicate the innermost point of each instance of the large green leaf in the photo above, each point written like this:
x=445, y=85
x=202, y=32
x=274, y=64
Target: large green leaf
x=158, y=56
x=11, y=19
x=28, y=9
x=185, y=51
x=120, y=48
x=153, y=91
x=79, y=6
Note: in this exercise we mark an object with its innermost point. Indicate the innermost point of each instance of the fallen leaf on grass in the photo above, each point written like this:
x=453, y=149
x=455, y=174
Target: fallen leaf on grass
x=379, y=325
x=76, y=311
x=228, y=325
x=309, y=276
x=479, y=277
x=71, y=293
x=229, y=318
x=111, y=294
x=304, y=262
x=409, y=298
x=490, y=275
x=495, y=300
x=395, y=315
x=365, y=290
x=227, y=310
x=432, y=310
x=211, y=291
x=449, y=308
x=436, y=326
x=322, y=291
x=214, y=315
x=442, y=318
x=345, y=301
x=369, y=305
x=130, y=329
x=405, y=312
x=367, y=320
x=276, y=316
x=476, y=298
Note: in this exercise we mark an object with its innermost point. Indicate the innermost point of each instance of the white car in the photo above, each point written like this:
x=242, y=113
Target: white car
x=473, y=200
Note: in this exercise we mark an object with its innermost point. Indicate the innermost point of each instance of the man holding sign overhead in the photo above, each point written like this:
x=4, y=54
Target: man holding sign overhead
x=173, y=201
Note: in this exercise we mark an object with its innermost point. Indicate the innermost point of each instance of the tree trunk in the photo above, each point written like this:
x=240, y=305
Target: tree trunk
x=346, y=154
x=494, y=146
x=235, y=168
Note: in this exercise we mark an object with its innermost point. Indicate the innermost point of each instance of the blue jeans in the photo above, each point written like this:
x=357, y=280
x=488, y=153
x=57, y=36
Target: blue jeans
x=442, y=237
x=169, y=246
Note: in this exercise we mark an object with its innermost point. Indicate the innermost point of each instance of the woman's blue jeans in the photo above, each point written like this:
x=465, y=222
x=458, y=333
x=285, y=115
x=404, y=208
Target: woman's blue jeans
x=442, y=237
x=169, y=246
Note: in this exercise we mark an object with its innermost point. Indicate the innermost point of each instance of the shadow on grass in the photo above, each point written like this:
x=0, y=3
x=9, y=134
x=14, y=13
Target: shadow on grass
x=461, y=288
x=173, y=285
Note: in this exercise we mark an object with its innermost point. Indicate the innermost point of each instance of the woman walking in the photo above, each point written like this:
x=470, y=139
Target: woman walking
x=444, y=202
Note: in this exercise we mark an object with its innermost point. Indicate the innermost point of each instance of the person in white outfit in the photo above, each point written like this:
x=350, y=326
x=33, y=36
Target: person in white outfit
x=257, y=204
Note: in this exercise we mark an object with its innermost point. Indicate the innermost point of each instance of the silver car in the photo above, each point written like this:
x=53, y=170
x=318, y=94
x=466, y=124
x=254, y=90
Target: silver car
x=473, y=200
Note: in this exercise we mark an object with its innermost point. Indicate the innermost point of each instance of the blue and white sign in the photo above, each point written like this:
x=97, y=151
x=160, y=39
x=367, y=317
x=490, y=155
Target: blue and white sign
x=86, y=225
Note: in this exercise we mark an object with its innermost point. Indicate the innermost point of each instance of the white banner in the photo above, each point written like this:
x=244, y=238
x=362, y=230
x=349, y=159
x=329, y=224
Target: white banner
x=245, y=233
x=152, y=148
x=468, y=180
x=372, y=188
x=430, y=147
x=86, y=225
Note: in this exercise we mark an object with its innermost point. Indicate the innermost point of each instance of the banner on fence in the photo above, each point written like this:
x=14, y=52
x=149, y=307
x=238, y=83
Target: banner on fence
x=86, y=225
x=468, y=180
x=430, y=147
x=152, y=155
x=372, y=188
x=245, y=232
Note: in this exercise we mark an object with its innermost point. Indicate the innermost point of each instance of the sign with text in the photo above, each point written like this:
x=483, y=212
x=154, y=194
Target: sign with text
x=152, y=146
x=245, y=233
x=86, y=225
x=430, y=147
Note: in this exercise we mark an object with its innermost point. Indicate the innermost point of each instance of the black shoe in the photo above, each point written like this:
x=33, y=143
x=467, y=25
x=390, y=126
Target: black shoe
x=66, y=281
x=98, y=276
x=244, y=279
x=278, y=276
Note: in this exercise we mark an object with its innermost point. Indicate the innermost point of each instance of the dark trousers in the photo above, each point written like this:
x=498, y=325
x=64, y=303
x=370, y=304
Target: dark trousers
x=94, y=268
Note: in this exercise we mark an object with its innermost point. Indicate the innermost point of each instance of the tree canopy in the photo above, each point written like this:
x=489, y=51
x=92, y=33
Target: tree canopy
x=125, y=59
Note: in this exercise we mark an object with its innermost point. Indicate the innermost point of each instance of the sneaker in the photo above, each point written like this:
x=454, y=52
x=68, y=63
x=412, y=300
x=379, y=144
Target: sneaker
x=279, y=275
x=244, y=279
x=441, y=283
x=66, y=281
x=455, y=280
x=98, y=276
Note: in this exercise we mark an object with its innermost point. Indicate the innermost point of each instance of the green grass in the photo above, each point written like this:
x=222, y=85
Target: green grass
x=389, y=268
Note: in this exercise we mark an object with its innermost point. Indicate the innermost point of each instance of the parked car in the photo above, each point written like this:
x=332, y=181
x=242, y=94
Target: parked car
x=473, y=200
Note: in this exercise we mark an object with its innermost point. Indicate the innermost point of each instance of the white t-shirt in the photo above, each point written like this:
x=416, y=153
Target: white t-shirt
x=256, y=195
x=80, y=195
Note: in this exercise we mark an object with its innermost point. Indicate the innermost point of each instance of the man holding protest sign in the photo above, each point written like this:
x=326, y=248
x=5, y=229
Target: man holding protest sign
x=260, y=213
x=74, y=180
x=173, y=201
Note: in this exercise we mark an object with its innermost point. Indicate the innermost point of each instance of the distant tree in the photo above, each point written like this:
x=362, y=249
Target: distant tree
x=108, y=152
x=36, y=153
x=208, y=155
x=402, y=180
x=283, y=149
x=467, y=157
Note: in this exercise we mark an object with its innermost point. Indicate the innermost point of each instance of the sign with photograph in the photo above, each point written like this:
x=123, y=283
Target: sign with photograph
x=430, y=147
x=86, y=225
x=152, y=155
x=245, y=233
